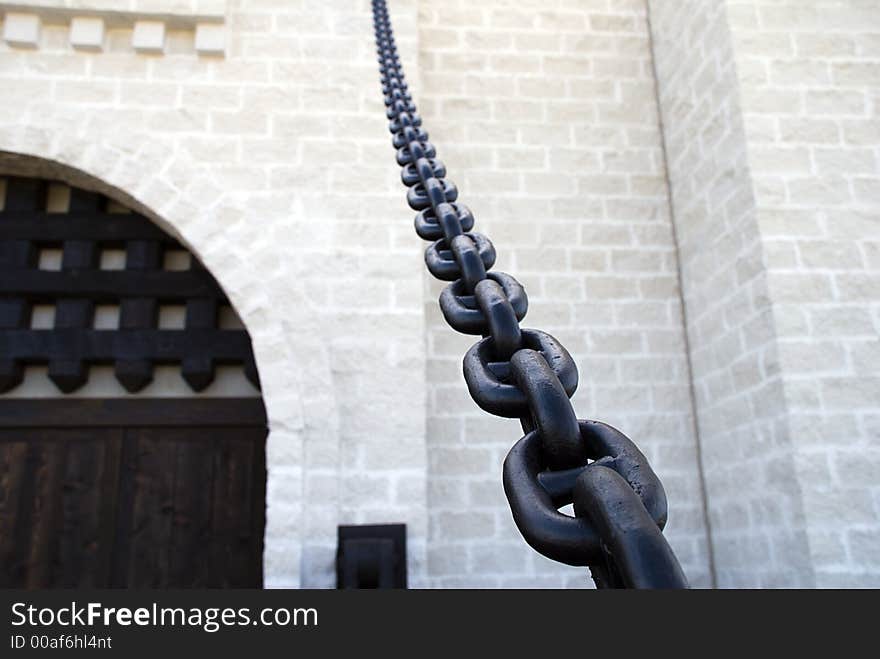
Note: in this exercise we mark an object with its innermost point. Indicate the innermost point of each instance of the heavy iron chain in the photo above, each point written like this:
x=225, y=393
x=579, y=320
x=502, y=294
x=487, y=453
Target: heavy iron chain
x=619, y=503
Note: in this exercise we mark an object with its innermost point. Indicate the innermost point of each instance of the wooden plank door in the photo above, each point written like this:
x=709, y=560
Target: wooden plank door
x=132, y=507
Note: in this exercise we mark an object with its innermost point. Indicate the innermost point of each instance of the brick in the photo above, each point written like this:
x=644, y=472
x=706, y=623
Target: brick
x=612, y=23
x=827, y=190
x=21, y=29
x=861, y=132
x=772, y=101
x=853, y=161
x=799, y=73
x=86, y=92
x=824, y=45
x=857, y=286
x=465, y=525
x=148, y=36
x=856, y=74
x=820, y=131
x=158, y=94
x=541, y=87
x=835, y=102
x=210, y=39
x=87, y=33
x=484, y=40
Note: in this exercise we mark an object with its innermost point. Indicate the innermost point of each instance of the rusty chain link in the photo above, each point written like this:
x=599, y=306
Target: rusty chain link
x=619, y=503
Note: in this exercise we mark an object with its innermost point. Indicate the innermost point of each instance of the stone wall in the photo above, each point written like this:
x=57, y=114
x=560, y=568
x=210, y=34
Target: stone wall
x=771, y=130
x=810, y=83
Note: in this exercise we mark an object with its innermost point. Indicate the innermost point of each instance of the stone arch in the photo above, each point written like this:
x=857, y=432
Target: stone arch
x=163, y=183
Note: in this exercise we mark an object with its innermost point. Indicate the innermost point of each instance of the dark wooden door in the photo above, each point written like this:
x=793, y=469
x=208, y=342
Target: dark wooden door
x=132, y=493
x=128, y=491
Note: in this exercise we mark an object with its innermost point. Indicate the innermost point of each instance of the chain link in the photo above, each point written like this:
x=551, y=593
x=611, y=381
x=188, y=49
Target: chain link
x=619, y=503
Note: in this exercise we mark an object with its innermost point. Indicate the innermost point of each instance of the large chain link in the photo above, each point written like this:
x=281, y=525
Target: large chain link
x=619, y=503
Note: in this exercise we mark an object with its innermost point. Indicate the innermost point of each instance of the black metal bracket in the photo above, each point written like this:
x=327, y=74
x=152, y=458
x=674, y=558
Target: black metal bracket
x=371, y=556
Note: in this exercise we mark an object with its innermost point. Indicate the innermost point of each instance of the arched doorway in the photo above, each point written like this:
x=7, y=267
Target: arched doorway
x=132, y=432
